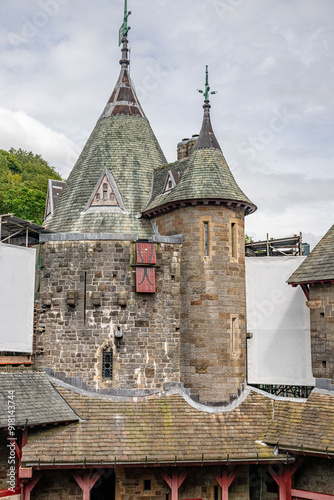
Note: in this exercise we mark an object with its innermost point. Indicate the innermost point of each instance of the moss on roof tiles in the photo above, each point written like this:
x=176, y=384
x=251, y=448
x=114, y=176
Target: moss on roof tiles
x=309, y=424
x=204, y=175
x=126, y=145
x=319, y=265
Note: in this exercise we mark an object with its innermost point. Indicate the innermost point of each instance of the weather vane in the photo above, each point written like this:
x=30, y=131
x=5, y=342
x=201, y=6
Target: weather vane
x=124, y=29
x=207, y=92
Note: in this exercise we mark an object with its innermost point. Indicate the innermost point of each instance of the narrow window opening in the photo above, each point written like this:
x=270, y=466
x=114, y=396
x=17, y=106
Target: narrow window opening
x=234, y=324
x=216, y=493
x=170, y=184
x=147, y=484
x=234, y=240
x=206, y=239
x=97, y=196
x=107, y=362
x=105, y=191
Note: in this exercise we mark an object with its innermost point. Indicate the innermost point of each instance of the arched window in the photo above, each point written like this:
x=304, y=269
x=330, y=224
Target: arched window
x=107, y=362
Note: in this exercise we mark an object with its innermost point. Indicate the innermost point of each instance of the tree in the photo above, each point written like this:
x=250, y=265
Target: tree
x=23, y=184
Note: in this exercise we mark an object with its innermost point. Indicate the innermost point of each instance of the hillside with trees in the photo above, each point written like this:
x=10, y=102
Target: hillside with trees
x=23, y=184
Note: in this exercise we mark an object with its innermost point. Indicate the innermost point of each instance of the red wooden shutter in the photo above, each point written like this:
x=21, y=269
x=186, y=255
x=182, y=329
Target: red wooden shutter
x=146, y=253
x=145, y=279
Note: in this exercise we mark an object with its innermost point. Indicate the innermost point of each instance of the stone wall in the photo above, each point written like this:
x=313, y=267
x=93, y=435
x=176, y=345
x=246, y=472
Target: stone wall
x=199, y=483
x=316, y=474
x=322, y=330
x=71, y=338
x=213, y=303
x=56, y=485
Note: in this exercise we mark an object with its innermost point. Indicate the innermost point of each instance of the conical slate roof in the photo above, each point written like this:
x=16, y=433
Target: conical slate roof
x=207, y=138
x=319, y=265
x=202, y=177
x=124, y=143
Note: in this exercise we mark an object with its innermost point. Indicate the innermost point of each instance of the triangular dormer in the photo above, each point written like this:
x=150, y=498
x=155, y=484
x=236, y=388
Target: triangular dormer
x=106, y=194
x=55, y=188
x=171, y=181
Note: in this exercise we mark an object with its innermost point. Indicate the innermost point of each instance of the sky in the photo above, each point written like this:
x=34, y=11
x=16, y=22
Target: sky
x=270, y=61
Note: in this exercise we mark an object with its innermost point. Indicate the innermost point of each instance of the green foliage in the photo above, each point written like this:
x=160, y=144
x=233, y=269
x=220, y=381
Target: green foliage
x=23, y=184
x=248, y=239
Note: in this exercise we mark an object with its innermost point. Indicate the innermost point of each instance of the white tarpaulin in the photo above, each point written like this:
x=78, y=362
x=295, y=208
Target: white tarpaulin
x=17, y=282
x=280, y=351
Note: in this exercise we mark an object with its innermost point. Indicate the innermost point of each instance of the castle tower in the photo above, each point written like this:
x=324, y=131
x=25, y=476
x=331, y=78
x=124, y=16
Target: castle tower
x=95, y=329
x=199, y=197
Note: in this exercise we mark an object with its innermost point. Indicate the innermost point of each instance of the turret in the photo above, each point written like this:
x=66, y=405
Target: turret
x=108, y=302
x=199, y=197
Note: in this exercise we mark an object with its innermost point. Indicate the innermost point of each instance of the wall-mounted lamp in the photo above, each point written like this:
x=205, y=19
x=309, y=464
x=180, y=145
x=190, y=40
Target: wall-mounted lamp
x=118, y=332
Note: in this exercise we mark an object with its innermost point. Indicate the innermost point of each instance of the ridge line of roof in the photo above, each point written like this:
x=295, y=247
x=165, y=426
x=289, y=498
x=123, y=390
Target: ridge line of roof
x=157, y=395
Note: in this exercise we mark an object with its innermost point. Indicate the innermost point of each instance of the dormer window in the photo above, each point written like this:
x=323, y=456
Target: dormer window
x=106, y=194
x=171, y=181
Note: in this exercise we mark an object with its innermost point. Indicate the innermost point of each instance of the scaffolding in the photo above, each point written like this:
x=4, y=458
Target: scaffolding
x=290, y=246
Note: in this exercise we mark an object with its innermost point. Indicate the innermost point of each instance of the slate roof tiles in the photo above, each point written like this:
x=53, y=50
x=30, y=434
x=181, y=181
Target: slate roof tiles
x=309, y=425
x=36, y=401
x=319, y=265
x=165, y=426
x=204, y=175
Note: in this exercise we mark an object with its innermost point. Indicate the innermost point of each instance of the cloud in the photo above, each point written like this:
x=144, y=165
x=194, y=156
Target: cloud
x=264, y=58
x=19, y=130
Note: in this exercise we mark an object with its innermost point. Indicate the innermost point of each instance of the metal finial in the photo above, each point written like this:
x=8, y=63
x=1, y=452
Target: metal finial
x=124, y=29
x=207, y=92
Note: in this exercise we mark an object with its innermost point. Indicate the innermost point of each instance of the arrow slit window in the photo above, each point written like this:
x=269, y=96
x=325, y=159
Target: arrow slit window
x=206, y=239
x=234, y=248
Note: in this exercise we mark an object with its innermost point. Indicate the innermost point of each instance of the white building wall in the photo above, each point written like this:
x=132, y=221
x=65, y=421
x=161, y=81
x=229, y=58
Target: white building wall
x=277, y=316
x=17, y=282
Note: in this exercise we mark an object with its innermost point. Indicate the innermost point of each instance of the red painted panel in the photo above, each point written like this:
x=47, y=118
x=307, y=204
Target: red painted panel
x=145, y=279
x=310, y=495
x=25, y=472
x=146, y=253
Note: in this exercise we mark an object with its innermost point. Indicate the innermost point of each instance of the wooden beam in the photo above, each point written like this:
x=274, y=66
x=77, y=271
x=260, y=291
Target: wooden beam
x=15, y=360
x=24, y=437
x=95, y=478
x=174, y=482
x=306, y=290
x=86, y=482
x=225, y=480
x=297, y=464
x=78, y=479
x=310, y=495
x=28, y=487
